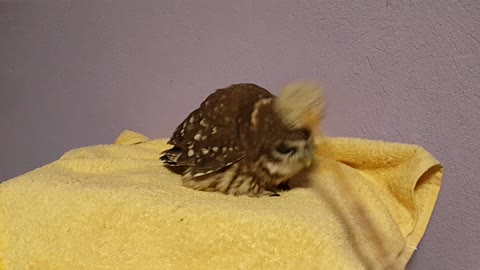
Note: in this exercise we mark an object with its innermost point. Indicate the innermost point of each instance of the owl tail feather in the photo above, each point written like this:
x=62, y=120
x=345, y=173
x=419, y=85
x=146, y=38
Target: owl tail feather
x=170, y=156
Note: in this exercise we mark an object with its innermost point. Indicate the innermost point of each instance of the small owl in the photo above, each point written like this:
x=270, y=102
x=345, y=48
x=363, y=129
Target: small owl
x=243, y=140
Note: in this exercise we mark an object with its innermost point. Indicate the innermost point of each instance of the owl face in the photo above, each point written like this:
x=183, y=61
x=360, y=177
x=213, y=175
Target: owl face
x=289, y=157
x=241, y=140
x=285, y=151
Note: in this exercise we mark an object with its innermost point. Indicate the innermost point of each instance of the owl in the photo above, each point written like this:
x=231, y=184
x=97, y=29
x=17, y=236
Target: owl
x=243, y=140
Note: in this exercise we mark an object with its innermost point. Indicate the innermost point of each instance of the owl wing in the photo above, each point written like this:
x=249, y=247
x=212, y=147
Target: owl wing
x=209, y=138
x=204, y=149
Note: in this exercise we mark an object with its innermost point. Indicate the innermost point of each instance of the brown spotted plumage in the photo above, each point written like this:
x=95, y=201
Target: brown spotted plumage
x=243, y=140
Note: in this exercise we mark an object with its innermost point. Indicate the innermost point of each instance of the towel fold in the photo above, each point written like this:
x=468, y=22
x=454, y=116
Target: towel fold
x=116, y=207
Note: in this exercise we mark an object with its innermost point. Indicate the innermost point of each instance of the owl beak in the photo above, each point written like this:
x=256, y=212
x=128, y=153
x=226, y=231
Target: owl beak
x=308, y=160
x=308, y=163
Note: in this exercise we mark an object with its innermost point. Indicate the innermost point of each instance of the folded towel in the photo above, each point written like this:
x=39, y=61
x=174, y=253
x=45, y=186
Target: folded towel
x=116, y=207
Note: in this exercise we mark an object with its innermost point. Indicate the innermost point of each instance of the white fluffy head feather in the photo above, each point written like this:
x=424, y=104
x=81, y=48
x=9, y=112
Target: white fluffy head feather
x=300, y=105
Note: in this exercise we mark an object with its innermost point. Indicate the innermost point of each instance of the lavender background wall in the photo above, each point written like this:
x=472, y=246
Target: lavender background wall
x=78, y=73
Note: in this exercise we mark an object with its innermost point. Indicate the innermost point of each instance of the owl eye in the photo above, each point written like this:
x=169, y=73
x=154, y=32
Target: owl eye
x=283, y=149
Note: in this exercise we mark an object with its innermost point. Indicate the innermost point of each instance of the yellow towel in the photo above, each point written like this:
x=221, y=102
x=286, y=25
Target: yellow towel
x=116, y=207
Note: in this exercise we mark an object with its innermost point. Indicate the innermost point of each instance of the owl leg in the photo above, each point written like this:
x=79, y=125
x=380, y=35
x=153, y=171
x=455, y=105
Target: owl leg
x=284, y=186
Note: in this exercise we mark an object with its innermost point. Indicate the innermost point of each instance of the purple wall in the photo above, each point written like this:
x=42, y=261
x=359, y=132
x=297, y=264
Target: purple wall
x=76, y=74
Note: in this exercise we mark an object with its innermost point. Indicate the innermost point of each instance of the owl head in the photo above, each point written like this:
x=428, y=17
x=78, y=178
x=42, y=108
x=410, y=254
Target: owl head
x=285, y=127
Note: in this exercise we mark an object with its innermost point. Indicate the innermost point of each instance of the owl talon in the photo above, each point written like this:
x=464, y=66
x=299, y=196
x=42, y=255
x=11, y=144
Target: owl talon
x=270, y=193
